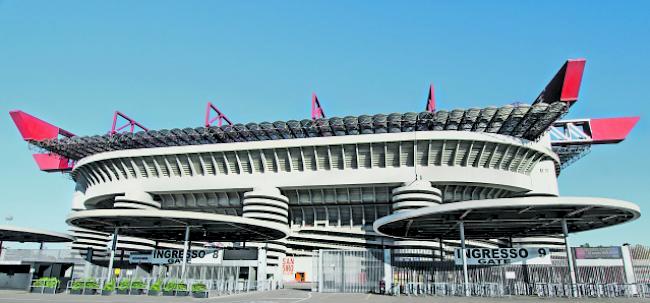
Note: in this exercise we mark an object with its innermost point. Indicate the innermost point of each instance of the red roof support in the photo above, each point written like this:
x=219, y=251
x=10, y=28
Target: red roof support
x=219, y=118
x=53, y=162
x=32, y=128
x=316, y=109
x=431, y=100
x=35, y=129
x=130, y=123
x=592, y=131
x=611, y=130
x=565, y=85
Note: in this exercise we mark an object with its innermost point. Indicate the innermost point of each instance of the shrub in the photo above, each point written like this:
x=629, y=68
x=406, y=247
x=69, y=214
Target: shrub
x=181, y=286
x=175, y=285
x=47, y=282
x=156, y=285
x=85, y=283
x=199, y=287
x=170, y=286
x=138, y=285
x=109, y=286
x=124, y=284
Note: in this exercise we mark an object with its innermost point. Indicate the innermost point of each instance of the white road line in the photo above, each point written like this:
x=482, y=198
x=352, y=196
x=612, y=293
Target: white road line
x=20, y=299
x=230, y=296
x=303, y=299
x=283, y=298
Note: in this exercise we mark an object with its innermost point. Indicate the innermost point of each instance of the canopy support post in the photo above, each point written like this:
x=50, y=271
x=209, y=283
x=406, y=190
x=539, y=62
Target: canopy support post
x=110, y=261
x=185, y=248
x=569, y=258
x=461, y=226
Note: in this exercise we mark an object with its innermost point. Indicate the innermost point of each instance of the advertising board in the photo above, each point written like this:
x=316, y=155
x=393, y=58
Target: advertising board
x=609, y=252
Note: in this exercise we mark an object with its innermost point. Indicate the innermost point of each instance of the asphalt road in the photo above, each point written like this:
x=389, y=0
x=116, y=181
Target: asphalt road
x=281, y=296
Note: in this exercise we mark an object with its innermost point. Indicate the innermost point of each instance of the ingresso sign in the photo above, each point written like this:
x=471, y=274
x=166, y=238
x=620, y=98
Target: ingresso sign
x=500, y=256
x=171, y=256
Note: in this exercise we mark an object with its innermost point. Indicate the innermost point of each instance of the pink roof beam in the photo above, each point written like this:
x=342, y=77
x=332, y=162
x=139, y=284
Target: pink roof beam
x=431, y=100
x=220, y=118
x=316, y=109
x=130, y=124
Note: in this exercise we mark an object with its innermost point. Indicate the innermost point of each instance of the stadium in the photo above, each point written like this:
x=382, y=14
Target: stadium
x=391, y=196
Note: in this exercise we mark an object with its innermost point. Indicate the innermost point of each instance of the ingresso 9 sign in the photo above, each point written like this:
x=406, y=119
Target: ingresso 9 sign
x=500, y=256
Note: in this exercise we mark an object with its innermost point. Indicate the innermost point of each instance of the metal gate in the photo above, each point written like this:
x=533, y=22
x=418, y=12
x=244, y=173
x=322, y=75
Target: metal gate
x=351, y=271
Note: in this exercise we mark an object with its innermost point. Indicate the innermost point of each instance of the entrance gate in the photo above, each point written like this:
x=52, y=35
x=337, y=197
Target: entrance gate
x=357, y=271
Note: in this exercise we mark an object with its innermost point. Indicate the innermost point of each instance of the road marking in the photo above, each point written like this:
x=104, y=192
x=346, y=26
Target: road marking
x=283, y=298
x=303, y=299
x=367, y=297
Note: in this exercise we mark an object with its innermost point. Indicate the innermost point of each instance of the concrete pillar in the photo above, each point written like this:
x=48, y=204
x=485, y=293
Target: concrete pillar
x=262, y=284
x=320, y=270
x=461, y=226
x=315, y=271
x=569, y=257
x=630, y=277
x=185, y=249
x=388, y=270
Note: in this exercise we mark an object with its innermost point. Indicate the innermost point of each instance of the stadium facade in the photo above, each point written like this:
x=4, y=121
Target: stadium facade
x=400, y=181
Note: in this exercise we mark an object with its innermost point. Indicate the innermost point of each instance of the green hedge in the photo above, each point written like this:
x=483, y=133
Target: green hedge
x=126, y=283
x=46, y=282
x=85, y=283
x=109, y=286
x=175, y=285
x=199, y=287
x=156, y=285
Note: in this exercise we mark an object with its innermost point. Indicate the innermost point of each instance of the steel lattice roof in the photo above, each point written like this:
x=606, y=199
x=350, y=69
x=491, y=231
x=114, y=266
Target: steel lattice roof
x=521, y=120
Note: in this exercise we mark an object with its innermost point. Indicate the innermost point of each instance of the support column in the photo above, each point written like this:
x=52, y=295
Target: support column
x=40, y=247
x=262, y=283
x=628, y=268
x=569, y=257
x=112, y=255
x=388, y=271
x=185, y=248
x=442, y=249
x=463, y=257
x=320, y=270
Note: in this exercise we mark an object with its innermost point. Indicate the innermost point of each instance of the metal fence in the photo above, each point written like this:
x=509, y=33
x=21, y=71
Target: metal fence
x=417, y=273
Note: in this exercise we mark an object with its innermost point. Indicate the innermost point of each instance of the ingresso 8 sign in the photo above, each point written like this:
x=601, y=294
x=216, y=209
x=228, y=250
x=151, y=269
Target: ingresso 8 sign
x=500, y=256
x=171, y=256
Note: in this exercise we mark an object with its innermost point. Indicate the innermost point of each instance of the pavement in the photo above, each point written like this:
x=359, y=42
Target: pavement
x=281, y=296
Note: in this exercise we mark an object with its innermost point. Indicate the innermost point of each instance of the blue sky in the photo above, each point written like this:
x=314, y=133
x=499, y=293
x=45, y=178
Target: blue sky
x=74, y=62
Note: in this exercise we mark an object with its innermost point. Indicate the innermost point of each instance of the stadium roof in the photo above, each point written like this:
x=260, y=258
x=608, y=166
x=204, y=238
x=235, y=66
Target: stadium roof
x=520, y=120
x=169, y=225
x=24, y=234
x=507, y=217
